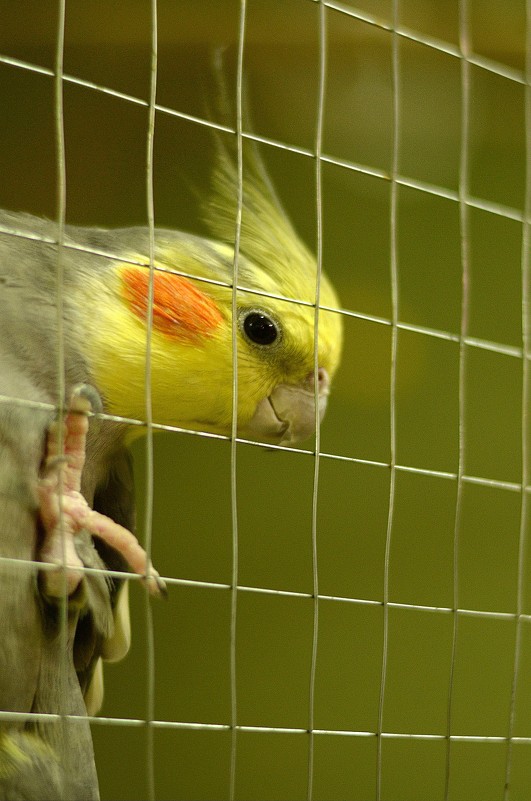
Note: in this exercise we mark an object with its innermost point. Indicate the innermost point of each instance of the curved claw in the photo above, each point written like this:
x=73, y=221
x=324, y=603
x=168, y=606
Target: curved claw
x=88, y=393
x=159, y=589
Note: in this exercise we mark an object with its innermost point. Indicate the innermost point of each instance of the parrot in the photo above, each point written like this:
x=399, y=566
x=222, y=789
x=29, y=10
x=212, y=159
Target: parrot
x=67, y=514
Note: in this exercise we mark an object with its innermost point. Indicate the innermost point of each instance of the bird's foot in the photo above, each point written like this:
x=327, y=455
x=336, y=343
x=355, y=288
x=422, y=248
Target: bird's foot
x=64, y=511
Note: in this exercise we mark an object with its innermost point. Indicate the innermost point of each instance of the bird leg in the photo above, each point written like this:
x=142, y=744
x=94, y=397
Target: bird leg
x=64, y=511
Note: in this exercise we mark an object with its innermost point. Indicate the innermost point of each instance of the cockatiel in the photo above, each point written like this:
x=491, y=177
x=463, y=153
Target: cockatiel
x=105, y=300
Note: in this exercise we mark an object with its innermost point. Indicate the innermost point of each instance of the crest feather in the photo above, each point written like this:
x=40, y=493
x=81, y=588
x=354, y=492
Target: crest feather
x=267, y=237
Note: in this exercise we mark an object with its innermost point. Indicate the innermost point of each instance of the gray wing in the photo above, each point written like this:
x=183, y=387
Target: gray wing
x=39, y=759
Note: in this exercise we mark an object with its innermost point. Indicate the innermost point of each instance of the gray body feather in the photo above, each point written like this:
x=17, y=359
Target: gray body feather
x=42, y=668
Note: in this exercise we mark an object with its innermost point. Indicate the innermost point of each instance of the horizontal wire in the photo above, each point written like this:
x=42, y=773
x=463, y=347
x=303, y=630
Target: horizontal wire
x=449, y=336
x=43, y=717
x=406, y=181
x=20, y=564
x=511, y=486
x=487, y=64
x=107, y=90
x=439, y=45
x=482, y=204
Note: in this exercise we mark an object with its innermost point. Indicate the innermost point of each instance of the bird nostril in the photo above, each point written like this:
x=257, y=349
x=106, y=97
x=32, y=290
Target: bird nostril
x=322, y=377
x=323, y=381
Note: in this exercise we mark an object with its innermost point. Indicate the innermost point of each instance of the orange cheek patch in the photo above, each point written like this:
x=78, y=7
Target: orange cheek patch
x=180, y=310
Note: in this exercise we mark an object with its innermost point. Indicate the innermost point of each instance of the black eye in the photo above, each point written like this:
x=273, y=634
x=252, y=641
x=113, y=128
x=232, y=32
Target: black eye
x=259, y=328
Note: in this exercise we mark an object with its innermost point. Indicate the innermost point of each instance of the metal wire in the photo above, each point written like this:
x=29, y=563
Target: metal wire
x=393, y=268
x=234, y=424
x=523, y=538
x=150, y=478
x=465, y=284
x=466, y=202
x=207, y=726
x=59, y=298
x=321, y=95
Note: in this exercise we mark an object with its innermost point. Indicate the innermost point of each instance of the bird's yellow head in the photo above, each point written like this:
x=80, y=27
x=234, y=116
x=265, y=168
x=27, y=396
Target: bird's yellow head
x=193, y=331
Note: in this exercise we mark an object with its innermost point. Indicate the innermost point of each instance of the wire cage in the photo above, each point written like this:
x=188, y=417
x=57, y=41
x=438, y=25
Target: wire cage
x=347, y=620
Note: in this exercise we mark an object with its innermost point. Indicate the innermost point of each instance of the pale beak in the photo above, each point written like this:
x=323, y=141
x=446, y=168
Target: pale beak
x=287, y=415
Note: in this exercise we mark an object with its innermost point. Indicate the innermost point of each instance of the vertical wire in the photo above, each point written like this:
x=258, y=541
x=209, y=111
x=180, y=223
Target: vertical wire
x=526, y=345
x=61, y=214
x=234, y=425
x=61, y=203
x=464, y=45
x=315, y=490
x=148, y=521
x=392, y=391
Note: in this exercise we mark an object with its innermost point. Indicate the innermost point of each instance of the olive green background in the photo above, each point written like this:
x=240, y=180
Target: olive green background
x=108, y=44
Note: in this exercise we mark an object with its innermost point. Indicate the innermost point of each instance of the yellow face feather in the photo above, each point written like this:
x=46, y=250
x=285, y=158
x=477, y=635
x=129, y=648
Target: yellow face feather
x=191, y=344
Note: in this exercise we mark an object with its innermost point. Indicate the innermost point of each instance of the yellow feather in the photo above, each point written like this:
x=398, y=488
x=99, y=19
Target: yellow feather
x=192, y=382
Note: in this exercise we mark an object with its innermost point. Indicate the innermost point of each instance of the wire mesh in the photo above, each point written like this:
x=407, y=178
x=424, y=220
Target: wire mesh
x=354, y=664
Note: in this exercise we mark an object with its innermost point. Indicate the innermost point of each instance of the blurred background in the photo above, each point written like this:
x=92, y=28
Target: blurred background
x=108, y=45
